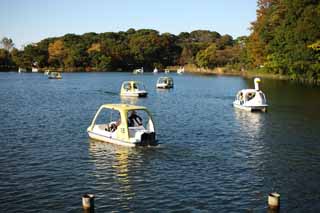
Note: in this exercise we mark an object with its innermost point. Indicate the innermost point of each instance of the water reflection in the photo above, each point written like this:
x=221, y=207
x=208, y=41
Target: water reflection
x=250, y=122
x=114, y=160
x=164, y=91
x=251, y=132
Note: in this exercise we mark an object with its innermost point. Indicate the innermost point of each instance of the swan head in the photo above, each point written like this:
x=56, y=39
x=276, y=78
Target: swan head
x=256, y=83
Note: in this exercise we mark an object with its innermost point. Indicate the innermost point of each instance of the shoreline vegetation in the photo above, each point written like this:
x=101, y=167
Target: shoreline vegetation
x=284, y=44
x=189, y=68
x=224, y=71
x=193, y=69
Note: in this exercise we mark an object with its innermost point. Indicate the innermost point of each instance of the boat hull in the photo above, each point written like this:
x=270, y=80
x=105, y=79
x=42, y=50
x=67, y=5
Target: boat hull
x=262, y=108
x=164, y=86
x=147, y=139
x=103, y=138
x=54, y=78
x=130, y=94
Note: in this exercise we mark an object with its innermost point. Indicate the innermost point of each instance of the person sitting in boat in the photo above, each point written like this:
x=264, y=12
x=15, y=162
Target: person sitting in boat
x=250, y=96
x=112, y=126
x=241, y=98
x=134, y=119
x=127, y=86
x=135, y=86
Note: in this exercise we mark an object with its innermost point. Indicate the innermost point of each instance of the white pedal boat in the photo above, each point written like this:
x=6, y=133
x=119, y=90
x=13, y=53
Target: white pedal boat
x=133, y=89
x=164, y=83
x=251, y=99
x=122, y=128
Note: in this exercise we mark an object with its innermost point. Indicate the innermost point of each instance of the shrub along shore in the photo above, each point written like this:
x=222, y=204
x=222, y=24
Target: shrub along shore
x=224, y=71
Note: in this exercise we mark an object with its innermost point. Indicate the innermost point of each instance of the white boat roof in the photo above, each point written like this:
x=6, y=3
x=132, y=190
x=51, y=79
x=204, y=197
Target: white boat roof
x=123, y=107
x=139, y=82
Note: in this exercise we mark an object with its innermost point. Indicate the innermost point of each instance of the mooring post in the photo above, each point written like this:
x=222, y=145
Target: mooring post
x=88, y=202
x=274, y=201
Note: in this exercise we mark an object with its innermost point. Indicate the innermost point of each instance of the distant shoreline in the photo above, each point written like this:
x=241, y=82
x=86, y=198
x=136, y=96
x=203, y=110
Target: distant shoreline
x=192, y=69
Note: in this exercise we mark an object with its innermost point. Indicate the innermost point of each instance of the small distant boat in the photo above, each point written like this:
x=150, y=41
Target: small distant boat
x=129, y=125
x=166, y=71
x=133, y=89
x=138, y=71
x=180, y=70
x=251, y=99
x=155, y=70
x=54, y=75
x=165, y=83
x=46, y=72
x=34, y=69
x=20, y=70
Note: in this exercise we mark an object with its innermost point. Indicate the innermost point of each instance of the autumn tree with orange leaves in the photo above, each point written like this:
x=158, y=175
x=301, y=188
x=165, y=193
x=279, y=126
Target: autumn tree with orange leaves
x=57, y=53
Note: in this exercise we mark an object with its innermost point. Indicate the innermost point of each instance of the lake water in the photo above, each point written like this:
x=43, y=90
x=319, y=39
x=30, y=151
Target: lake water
x=212, y=157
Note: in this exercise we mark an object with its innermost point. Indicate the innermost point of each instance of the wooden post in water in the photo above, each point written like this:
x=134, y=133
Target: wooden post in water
x=88, y=202
x=274, y=201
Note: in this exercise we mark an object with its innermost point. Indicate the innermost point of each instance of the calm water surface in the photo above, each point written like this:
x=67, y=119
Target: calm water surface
x=212, y=157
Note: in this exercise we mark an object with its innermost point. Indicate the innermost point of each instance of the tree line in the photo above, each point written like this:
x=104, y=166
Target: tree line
x=112, y=51
x=284, y=39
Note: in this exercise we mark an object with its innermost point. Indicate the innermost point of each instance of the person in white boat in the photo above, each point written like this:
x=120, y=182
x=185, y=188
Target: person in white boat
x=241, y=98
x=134, y=119
x=135, y=86
x=112, y=126
x=128, y=87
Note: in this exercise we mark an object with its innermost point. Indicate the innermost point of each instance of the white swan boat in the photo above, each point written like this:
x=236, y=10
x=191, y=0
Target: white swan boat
x=129, y=125
x=251, y=99
x=165, y=83
x=133, y=89
x=138, y=71
x=155, y=70
x=20, y=70
x=180, y=70
x=54, y=75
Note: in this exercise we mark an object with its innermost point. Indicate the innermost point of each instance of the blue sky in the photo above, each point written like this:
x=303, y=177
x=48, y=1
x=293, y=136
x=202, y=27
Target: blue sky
x=27, y=21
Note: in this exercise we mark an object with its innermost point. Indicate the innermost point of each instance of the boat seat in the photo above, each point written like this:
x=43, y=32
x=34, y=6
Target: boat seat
x=102, y=126
x=134, y=129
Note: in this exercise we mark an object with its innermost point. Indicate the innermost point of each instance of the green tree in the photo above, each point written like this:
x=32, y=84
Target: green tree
x=104, y=63
x=281, y=36
x=145, y=47
x=124, y=50
x=186, y=56
x=7, y=43
x=5, y=60
x=224, y=41
x=207, y=58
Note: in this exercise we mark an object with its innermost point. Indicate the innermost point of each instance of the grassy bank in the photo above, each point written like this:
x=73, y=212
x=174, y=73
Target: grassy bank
x=245, y=73
x=231, y=72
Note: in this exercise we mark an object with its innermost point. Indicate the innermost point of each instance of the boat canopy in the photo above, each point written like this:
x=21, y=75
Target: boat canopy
x=165, y=80
x=124, y=133
x=131, y=85
x=123, y=107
